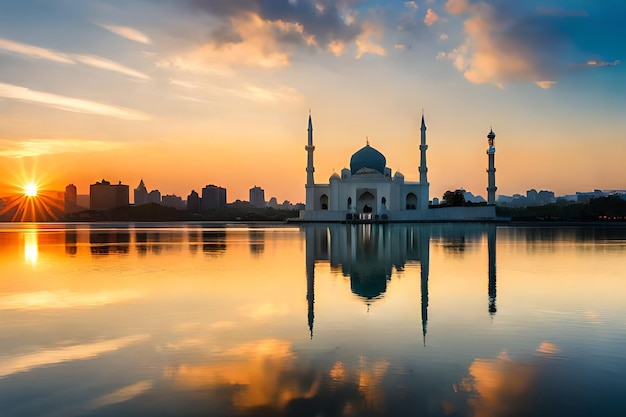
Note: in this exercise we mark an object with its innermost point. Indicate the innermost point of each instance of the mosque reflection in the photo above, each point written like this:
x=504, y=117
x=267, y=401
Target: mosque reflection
x=369, y=253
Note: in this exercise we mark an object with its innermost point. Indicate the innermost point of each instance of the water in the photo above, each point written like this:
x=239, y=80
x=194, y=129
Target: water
x=203, y=319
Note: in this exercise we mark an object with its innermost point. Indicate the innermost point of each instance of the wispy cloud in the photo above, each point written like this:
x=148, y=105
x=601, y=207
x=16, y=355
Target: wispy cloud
x=66, y=58
x=127, y=32
x=107, y=64
x=34, y=51
x=24, y=363
x=594, y=63
x=70, y=104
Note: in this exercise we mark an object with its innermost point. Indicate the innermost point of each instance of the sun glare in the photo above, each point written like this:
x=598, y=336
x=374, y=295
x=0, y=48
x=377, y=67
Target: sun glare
x=30, y=190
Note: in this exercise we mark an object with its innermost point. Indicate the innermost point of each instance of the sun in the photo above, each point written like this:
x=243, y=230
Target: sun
x=30, y=190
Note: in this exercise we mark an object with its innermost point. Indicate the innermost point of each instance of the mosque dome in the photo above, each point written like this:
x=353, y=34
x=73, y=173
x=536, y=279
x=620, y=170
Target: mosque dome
x=334, y=177
x=367, y=157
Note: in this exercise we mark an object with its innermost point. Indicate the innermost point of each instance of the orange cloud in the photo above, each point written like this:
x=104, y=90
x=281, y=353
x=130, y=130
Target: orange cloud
x=430, y=17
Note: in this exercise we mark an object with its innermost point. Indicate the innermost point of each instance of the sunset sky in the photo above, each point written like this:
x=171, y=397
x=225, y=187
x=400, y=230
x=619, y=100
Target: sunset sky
x=187, y=93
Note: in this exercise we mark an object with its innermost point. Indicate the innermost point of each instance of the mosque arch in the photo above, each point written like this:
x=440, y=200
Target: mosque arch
x=324, y=202
x=366, y=203
x=349, y=203
x=411, y=201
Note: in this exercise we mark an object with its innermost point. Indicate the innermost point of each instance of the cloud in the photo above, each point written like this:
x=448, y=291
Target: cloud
x=456, y=7
x=443, y=36
x=106, y=64
x=90, y=60
x=594, y=63
x=545, y=84
x=127, y=32
x=430, y=17
x=34, y=51
x=505, y=44
x=366, y=42
x=45, y=357
x=70, y=104
x=267, y=34
x=411, y=5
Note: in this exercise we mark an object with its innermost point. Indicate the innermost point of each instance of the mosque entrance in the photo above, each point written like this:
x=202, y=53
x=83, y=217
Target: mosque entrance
x=366, y=202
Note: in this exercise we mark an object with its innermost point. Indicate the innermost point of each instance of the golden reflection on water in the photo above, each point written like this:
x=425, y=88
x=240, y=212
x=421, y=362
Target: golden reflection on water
x=233, y=310
x=31, y=248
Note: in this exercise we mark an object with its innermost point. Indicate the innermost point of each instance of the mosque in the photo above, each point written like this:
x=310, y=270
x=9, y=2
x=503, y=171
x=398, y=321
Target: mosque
x=368, y=192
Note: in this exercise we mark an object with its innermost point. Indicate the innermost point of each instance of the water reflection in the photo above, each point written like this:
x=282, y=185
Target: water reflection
x=104, y=242
x=368, y=255
x=31, y=247
x=71, y=240
x=131, y=320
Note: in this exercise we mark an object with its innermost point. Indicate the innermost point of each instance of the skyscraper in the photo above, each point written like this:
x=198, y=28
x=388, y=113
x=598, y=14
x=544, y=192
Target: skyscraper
x=213, y=197
x=70, y=200
x=104, y=196
x=257, y=197
x=141, y=194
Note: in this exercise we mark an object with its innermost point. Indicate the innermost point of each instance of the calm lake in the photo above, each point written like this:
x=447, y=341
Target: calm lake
x=200, y=319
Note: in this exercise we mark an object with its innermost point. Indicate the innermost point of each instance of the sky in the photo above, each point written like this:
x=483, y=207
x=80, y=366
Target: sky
x=185, y=93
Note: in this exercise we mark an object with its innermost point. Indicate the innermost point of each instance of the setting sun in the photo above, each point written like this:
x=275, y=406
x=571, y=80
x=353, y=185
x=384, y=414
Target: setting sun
x=30, y=190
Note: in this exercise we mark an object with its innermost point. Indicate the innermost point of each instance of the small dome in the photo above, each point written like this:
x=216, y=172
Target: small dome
x=367, y=157
x=398, y=174
x=334, y=177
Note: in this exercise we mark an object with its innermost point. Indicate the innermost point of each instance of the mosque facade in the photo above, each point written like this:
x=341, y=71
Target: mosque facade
x=369, y=191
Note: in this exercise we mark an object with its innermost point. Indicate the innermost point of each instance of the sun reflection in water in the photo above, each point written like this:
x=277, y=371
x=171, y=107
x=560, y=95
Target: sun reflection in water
x=31, y=248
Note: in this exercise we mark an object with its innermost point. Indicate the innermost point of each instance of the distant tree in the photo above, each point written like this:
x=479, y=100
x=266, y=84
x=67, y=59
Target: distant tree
x=454, y=198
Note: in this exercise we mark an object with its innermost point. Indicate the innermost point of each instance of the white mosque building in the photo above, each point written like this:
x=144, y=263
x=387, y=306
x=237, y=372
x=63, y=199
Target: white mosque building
x=369, y=192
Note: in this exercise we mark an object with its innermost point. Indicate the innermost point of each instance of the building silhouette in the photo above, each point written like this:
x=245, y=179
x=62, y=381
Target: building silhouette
x=257, y=197
x=104, y=196
x=154, y=196
x=70, y=199
x=172, y=200
x=193, y=202
x=141, y=194
x=213, y=197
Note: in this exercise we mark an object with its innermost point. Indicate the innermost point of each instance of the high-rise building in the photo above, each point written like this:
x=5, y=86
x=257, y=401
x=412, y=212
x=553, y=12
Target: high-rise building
x=104, y=196
x=154, y=197
x=213, y=197
x=141, y=194
x=193, y=202
x=257, y=197
x=70, y=199
x=172, y=200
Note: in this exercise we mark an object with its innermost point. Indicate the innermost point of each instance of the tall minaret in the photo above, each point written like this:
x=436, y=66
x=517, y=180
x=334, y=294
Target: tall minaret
x=310, y=181
x=423, y=168
x=491, y=171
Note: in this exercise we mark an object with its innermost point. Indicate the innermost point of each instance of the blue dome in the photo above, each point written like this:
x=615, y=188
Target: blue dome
x=368, y=157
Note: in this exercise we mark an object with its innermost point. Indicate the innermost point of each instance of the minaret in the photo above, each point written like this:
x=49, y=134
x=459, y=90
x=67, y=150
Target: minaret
x=423, y=169
x=310, y=181
x=491, y=171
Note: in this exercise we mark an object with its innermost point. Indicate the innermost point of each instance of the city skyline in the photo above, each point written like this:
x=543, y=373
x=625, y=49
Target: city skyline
x=196, y=92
